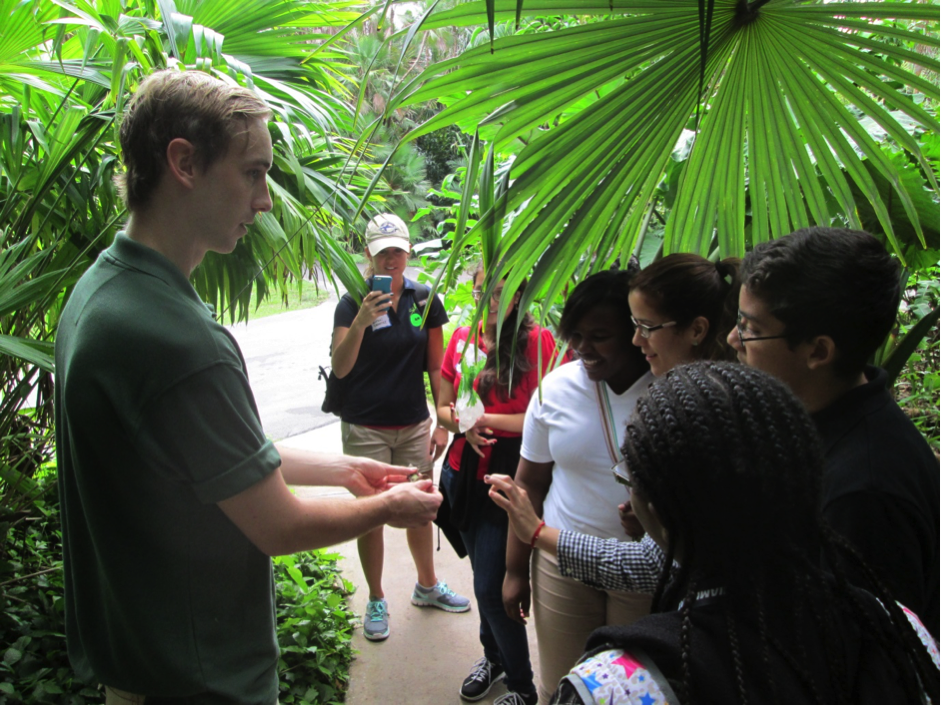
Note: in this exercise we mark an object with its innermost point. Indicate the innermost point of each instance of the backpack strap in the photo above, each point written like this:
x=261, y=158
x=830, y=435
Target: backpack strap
x=573, y=690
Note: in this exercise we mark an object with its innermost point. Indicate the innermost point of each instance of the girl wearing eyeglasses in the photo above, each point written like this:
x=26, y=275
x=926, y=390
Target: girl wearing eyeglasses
x=684, y=307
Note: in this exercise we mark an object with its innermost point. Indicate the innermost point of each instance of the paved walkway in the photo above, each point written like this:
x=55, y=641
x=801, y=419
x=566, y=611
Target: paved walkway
x=429, y=652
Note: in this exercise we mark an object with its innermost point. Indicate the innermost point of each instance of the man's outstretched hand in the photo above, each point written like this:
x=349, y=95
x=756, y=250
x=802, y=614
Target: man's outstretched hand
x=368, y=477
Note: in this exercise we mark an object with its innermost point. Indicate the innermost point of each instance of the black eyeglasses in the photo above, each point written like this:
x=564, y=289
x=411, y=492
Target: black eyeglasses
x=495, y=297
x=645, y=330
x=740, y=327
x=620, y=474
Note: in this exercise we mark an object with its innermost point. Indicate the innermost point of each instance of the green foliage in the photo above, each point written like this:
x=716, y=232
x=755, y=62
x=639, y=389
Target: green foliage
x=34, y=667
x=303, y=295
x=918, y=387
x=315, y=627
x=782, y=98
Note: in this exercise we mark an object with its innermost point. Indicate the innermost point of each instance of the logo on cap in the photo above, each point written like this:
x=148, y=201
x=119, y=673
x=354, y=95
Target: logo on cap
x=387, y=228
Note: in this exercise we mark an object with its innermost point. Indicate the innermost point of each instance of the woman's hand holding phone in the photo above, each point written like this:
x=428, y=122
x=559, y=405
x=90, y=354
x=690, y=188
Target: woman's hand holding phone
x=375, y=304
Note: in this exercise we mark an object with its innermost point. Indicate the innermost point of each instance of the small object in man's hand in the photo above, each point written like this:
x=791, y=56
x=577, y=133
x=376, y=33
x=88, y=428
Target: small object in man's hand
x=414, y=477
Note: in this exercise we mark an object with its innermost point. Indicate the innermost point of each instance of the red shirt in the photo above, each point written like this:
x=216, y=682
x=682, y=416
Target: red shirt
x=496, y=404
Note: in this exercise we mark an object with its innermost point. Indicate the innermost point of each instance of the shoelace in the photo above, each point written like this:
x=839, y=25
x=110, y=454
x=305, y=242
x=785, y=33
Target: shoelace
x=512, y=698
x=481, y=670
x=444, y=590
x=376, y=611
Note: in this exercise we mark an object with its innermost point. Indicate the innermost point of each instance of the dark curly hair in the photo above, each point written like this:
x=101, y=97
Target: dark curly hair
x=828, y=281
x=732, y=463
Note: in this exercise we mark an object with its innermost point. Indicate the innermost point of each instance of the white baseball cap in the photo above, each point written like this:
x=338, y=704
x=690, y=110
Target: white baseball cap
x=387, y=231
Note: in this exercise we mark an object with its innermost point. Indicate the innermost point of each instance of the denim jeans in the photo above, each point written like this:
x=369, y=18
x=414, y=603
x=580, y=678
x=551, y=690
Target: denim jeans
x=503, y=639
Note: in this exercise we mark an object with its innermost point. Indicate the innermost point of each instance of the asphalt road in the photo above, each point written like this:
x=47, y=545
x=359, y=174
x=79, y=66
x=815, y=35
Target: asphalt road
x=283, y=353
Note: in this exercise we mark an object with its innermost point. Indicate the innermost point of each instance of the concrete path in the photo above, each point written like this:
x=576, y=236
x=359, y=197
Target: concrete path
x=429, y=652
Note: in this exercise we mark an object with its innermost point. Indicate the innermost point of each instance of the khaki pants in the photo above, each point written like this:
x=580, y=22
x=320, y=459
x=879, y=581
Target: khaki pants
x=566, y=612
x=400, y=447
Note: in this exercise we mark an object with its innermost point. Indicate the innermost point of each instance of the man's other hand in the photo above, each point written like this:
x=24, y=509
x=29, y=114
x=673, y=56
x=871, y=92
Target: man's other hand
x=412, y=504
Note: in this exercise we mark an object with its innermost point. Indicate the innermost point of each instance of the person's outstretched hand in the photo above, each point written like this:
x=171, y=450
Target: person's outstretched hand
x=368, y=477
x=413, y=504
x=508, y=495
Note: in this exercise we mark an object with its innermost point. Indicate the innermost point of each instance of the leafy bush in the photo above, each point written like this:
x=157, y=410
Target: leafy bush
x=314, y=622
x=315, y=628
x=35, y=667
x=917, y=387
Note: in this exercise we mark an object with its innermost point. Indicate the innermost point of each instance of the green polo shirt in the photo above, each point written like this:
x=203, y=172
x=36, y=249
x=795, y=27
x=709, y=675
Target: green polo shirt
x=155, y=424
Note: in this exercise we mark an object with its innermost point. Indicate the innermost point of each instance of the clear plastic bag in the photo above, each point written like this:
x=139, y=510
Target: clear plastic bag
x=468, y=411
x=468, y=408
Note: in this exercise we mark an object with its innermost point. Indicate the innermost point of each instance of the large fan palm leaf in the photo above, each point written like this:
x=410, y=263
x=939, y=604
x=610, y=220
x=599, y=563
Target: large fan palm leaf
x=602, y=105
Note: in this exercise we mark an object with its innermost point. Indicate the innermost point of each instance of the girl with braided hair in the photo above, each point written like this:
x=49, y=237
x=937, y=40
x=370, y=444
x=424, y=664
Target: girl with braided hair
x=725, y=467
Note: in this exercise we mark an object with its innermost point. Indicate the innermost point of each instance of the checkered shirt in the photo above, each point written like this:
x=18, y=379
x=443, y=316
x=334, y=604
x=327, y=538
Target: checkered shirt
x=610, y=564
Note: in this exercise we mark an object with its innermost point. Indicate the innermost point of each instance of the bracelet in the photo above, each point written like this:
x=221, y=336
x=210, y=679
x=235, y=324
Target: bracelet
x=532, y=544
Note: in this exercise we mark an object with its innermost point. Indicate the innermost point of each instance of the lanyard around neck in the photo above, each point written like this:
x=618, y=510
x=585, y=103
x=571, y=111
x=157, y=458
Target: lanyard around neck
x=607, y=422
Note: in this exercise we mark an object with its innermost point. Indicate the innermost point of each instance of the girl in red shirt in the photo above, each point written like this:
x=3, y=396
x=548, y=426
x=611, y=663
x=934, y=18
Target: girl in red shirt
x=492, y=446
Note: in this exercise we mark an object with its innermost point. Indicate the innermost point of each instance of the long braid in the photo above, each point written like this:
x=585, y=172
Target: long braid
x=806, y=680
x=839, y=674
x=736, y=654
x=686, y=641
x=902, y=638
x=764, y=636
x=799, y=605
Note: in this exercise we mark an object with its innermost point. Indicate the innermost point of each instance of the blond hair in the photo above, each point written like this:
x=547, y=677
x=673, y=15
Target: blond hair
x=179, y=104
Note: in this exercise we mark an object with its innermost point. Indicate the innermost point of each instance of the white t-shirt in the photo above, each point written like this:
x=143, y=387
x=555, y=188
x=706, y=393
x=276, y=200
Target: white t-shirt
x=565, y=427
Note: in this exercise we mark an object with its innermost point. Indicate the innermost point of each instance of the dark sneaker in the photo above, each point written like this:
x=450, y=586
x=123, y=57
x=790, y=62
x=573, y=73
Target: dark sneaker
x=478, y=682
x=514, y=698
x=376, y=620
x=440, y=597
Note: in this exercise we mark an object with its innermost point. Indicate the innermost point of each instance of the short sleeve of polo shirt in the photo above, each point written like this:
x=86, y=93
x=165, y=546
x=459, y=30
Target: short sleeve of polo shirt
x=345, y=312
x=536, y=432
x=205, y=432
x=437, y=317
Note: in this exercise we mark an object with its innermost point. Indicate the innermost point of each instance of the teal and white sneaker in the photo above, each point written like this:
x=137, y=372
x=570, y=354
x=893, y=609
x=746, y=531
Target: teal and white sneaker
x=376, y=620
x=440, y=596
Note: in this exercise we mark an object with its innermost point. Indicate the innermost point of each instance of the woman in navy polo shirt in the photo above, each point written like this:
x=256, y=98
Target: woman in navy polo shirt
x=381, y=350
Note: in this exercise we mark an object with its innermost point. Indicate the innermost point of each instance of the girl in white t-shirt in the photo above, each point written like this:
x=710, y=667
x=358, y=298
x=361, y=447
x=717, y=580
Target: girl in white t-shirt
x=571, y=438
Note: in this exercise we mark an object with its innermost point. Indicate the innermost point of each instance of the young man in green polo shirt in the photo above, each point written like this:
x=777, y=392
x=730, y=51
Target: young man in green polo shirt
x=173, y=499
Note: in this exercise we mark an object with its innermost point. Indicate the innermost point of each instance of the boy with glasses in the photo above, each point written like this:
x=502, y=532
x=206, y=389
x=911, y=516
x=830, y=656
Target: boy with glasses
x=813, y=309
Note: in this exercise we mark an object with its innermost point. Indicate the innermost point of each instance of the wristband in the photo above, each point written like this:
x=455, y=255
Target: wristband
x=532, y=544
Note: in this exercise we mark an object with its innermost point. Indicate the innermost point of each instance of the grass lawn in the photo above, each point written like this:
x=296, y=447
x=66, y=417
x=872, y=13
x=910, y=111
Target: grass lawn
x=309, y=297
